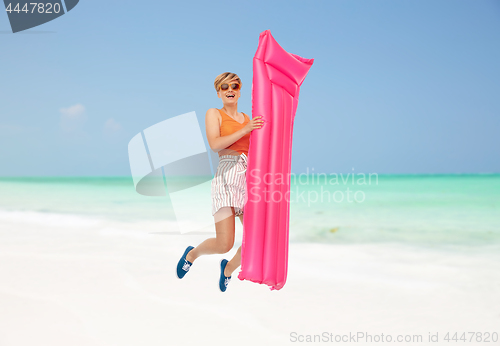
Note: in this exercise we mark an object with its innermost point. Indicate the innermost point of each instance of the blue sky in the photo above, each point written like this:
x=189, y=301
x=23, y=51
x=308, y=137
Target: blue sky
x=396, y=86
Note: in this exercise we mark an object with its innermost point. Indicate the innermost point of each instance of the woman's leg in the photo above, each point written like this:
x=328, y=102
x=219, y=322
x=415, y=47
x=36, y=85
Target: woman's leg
x=235, y=262
x=224, y=240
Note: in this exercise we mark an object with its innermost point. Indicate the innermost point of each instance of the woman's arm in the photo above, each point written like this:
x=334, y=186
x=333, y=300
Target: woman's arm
x=218, y=142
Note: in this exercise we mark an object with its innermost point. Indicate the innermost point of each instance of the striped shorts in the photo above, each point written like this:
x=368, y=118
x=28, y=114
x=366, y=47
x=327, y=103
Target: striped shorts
x=229, y=183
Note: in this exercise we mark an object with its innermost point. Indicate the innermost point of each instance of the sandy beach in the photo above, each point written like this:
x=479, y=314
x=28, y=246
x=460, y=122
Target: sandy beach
x=70, y=282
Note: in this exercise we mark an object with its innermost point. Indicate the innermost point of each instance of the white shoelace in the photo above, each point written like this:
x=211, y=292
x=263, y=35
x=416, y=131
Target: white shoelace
x=226, y=282
x=186, y=266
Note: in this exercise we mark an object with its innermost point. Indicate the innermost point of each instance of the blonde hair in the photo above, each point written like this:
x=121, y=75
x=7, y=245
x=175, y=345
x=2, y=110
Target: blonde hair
x=224, y=78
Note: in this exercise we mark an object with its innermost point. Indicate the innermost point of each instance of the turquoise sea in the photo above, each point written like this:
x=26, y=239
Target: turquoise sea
x=446, y=211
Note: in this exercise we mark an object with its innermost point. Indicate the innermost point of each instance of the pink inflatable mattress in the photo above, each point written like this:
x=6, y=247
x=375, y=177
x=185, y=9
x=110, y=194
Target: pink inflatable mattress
x=277, y=77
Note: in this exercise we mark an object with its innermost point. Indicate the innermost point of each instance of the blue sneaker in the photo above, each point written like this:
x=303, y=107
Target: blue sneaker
x=223, y=280
x=184, y=265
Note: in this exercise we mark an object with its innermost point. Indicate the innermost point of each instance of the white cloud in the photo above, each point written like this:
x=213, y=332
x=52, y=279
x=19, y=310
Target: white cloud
x=72, y=118
x=112, y=125
x=73, y=112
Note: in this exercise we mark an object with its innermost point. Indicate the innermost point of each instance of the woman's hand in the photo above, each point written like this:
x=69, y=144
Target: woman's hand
x=253, y=124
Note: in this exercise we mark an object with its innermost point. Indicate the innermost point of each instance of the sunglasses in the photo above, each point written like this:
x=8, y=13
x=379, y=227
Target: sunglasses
x=234, y=86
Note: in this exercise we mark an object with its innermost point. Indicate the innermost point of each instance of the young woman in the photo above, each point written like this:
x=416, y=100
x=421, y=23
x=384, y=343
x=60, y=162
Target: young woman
x=228, y=133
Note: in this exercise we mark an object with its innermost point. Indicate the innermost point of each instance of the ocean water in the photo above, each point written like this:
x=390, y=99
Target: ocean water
x=441, y=211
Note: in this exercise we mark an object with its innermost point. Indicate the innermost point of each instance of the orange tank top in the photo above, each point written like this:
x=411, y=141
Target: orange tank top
x=230, y=126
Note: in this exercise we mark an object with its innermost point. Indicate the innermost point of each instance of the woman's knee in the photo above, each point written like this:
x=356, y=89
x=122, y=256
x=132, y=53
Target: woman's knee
x=224, y=245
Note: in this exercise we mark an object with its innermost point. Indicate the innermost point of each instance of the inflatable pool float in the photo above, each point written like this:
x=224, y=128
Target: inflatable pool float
x=277, y=77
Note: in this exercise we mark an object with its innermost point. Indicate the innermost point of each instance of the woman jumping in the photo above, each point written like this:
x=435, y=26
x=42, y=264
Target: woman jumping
x=228, y=133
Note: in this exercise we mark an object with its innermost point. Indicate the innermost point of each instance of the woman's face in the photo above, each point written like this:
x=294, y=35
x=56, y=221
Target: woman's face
x=229, y=96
